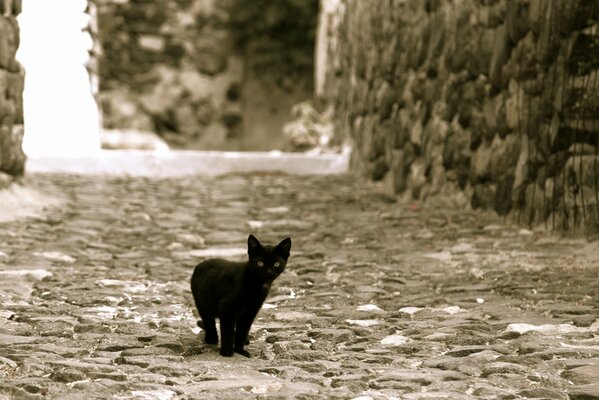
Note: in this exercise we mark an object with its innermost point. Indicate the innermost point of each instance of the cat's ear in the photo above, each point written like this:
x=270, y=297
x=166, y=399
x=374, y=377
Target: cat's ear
x=285, y=246
x=253, y=244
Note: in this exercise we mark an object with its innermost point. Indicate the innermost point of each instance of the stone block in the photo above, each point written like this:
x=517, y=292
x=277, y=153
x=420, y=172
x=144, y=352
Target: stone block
x=522, y=64
x=543, y=393
x=153, y=43
x=575, y=131
x=416, y=133
x=517, y=21
x=401, y=128
x=479, y=61
x=185, y=120
x=11, y=102
x=504, y=156
x=438, y=39
x=12, y=158
x=574, y=14
x=198, y=86
x=434, y=138
x=585, y=374
x=437, y=178
x=581, y=54
x=514, y=106
x=483, y=197
x=385, y=99
x=503, y=195
x=380, y=168
x=496, y=14
x=164, y=96
x=378, y=144
x=463, y=170
x=17, y=7
x=501, y=54
x=522, y=165
x=553, y=192
x=481, y=160
x=416, y=177
x=9, y=42
x=480, y=130
x=364, y=136
x=460, y=53
x=10, y=7
x=124, y=139
x=211, y=63
x=360, y=94
x=400, y=165
x=583, y=170
x=584, y=392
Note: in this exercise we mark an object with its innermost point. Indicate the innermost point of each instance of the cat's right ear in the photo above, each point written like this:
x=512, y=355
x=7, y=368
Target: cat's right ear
x=285, y=246
x=253, y=244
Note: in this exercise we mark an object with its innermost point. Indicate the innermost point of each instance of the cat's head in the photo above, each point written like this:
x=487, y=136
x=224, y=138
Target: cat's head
x=268, y=261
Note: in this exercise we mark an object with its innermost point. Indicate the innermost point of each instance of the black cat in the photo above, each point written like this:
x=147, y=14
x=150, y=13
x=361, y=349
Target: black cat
x=235, y=291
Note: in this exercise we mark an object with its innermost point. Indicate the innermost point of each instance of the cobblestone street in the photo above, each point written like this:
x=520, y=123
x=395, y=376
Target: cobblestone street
x=380, y=299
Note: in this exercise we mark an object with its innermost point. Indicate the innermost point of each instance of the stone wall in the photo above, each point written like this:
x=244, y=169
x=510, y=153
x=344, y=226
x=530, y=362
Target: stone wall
x=166, y=66
x=171, y=67
x=493, y=100
x=12, y=158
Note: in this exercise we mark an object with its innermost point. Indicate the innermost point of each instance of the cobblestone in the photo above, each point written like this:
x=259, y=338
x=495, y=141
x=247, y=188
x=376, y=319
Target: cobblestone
x=380, y=299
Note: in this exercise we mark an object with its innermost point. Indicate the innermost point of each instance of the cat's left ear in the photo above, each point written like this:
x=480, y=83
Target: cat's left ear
x=285, y=246
x=253, y=244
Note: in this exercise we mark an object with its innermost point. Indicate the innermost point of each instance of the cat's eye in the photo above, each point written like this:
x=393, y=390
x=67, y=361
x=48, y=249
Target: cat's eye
x=277, y=264
x=260, y=264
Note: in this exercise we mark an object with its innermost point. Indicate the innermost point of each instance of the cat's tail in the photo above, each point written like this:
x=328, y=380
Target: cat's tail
x=200, y=323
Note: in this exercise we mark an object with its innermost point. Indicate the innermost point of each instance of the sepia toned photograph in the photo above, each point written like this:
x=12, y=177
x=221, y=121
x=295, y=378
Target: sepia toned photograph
x=299, y=199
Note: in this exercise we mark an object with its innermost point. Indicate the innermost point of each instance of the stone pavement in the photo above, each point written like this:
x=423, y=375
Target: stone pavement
x=380, y=300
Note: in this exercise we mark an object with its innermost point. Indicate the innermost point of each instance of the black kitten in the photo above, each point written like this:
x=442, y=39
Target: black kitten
x=235, y=291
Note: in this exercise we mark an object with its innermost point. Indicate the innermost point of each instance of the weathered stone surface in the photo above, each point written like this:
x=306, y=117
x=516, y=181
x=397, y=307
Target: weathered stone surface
x=12, y=158
x=94, y=296
x=379, y=169
x=583, y=375
x=585, y=392
x=542, y=393
x=176, y=68
x=177, y=57
x=514, y=81
x=500, y=56
x=481, y=161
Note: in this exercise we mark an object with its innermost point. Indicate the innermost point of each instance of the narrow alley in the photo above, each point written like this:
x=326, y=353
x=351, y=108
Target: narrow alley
x=380, y=299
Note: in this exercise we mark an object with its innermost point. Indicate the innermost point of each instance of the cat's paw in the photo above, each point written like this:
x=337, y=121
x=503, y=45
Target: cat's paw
x=226, y=352
x=210, y=339
x=243, y=352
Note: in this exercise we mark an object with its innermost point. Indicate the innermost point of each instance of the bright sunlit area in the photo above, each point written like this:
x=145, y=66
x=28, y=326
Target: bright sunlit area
x=62, y=120
x=61, y=115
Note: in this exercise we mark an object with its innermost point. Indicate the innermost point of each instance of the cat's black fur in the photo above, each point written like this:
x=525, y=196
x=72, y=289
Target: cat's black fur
x=234, y=292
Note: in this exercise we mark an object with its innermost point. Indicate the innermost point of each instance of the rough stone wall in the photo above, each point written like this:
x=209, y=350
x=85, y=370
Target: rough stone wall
x=166, y=66
x=496, y=100
x=12, y=158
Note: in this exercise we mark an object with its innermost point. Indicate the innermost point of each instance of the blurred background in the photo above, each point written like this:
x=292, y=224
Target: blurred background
x=492, y=104
x=200, y=75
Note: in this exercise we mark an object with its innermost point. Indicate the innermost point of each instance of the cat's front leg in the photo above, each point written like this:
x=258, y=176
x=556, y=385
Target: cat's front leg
x=242, y=330
x=227, y=333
